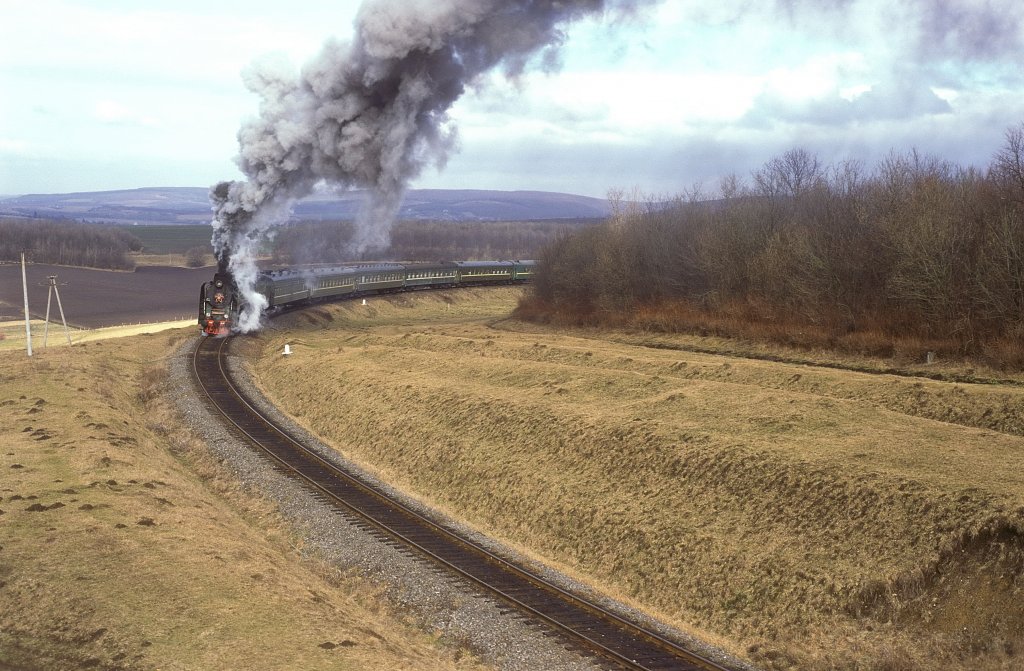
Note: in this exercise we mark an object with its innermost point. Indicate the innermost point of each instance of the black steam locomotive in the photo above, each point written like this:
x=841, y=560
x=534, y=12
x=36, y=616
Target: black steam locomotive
x=217, y=304
x=219, y=301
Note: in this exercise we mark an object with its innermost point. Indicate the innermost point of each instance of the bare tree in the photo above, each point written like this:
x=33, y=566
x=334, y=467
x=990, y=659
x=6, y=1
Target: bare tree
x=196, y=257
x=918, y=247
x=1008, y=165
x=782, y=182
x=791, y=174
x=70, y=243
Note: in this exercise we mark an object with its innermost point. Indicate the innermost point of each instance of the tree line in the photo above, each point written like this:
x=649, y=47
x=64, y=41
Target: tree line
x=915, y=249
x=67, y=243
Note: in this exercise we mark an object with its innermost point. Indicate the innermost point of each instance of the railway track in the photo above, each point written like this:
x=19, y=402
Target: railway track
x=588, y=626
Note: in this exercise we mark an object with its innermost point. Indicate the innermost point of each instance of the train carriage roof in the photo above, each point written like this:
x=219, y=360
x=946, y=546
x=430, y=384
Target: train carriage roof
x=311, y=272
x=484, y=264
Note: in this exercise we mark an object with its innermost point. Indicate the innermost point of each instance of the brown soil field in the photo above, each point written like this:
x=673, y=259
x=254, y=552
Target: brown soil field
x=125, y=545
x=802, y=516
x=95, y=298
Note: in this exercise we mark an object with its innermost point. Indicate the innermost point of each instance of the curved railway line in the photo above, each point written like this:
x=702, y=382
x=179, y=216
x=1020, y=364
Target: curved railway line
x=585, y=625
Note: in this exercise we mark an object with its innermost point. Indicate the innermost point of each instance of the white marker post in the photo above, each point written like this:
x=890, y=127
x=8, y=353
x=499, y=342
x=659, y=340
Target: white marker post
x=287, y=349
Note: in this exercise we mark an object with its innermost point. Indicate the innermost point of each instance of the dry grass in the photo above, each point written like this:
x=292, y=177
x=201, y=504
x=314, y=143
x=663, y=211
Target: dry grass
x=808, y=517
x=125, y=545
x=12, y=333
x=756, y=322
x=173, y=260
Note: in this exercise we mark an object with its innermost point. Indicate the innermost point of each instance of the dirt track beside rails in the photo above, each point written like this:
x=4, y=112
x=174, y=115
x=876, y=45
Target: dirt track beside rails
x=96, y=298
x=804, y=517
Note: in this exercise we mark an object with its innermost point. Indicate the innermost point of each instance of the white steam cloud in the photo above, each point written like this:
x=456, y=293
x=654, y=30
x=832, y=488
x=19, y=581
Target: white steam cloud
x=372, y=113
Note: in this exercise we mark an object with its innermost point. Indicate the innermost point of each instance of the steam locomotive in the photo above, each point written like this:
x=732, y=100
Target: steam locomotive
x=217, y=304
x=219, y=300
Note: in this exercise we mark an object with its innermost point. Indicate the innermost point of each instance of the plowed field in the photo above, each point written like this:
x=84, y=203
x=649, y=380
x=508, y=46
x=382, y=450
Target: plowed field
x=96, y=298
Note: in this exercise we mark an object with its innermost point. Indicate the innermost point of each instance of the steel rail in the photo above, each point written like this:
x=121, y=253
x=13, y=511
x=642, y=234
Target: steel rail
x=625, y=643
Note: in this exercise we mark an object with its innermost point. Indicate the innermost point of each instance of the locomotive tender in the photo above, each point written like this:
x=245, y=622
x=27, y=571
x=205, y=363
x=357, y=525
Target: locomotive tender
x=219, y=303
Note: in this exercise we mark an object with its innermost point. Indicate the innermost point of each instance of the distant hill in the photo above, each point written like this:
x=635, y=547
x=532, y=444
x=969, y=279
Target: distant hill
x=189, y=205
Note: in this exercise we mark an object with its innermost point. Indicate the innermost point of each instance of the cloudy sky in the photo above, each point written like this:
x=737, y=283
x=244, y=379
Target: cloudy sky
x=111, y=94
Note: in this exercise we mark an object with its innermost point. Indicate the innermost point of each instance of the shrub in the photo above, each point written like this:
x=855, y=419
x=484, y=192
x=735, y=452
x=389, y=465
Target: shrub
x=195, y=257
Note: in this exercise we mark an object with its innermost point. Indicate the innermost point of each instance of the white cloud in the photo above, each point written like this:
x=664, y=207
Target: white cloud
x=691, y=81
x=112, y=112
x=109, y=111
x=13, y=146
x=818, y=75
x=851, y=93
x=197, y=44
x=947, y=94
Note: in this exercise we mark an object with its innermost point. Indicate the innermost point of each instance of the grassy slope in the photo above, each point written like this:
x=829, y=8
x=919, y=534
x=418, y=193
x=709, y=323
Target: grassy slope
x=810, y=518
x=122, y=545
x=12, y=333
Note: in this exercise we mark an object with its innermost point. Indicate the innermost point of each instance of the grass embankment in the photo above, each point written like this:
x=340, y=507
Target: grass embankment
x=761, y=328
x=123, y=544
x=12, y=333
x=805, y=517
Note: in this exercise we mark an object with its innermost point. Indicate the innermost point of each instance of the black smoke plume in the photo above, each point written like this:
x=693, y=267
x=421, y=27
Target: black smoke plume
x=373, y=112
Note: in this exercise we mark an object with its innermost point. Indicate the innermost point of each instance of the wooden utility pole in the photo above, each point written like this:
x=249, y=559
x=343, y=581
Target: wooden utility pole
x=54, y=290
x=28, y=326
